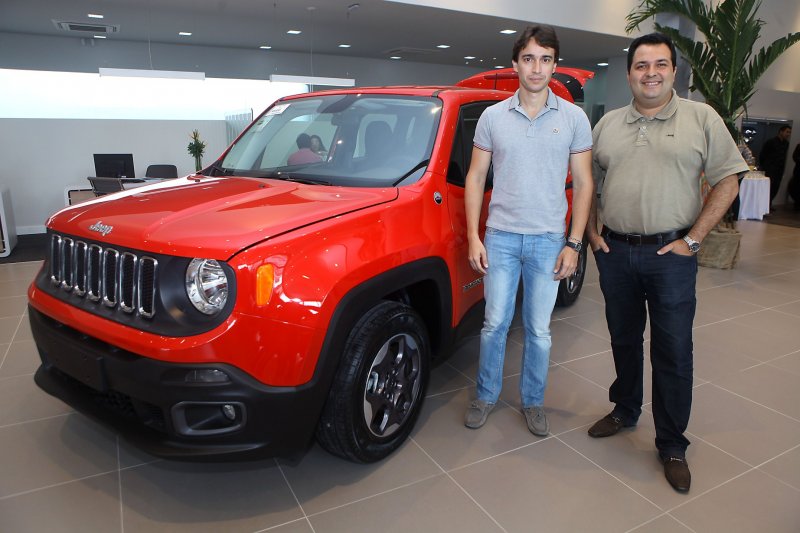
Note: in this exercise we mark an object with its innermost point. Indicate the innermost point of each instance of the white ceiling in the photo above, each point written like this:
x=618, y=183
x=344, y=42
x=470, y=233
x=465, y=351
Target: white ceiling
x=373, y=28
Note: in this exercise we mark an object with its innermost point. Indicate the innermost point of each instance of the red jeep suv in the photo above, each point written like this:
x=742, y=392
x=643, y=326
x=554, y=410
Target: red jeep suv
x=245, y=309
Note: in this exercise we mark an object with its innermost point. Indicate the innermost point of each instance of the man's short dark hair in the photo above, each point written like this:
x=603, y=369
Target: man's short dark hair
x=543, y=35
x=303, y=141
x=654, y=38
x=784, y=128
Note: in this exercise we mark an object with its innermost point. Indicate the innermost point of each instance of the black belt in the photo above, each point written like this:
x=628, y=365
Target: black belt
x=634, y=239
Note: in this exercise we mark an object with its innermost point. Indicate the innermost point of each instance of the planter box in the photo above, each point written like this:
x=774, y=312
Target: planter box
x=720, y=248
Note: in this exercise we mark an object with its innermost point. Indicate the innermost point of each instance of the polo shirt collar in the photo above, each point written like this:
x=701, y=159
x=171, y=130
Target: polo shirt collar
x=551, y=103
x=672, y=106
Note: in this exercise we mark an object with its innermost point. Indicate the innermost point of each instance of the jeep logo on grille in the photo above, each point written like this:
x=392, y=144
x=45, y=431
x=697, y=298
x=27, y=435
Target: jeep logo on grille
x=101, y=228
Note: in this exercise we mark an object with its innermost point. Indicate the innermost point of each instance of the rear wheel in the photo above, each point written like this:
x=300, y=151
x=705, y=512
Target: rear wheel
x=570, y=288
x=379, y=387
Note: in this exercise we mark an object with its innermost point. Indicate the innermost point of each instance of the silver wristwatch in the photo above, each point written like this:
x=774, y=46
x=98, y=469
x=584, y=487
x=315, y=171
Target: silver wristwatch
x=694, y=246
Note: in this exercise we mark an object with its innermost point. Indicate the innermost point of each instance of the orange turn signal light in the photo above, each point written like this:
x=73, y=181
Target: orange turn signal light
x=265, y=281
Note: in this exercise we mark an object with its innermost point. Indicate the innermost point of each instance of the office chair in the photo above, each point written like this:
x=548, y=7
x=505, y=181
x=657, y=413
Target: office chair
x=161, y=171
x=102, y=186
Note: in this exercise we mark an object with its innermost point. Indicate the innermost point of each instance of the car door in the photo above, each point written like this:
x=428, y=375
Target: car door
x=468, y=286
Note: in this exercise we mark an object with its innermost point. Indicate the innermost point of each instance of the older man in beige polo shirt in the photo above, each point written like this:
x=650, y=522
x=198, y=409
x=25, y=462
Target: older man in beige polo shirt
x=648, y=160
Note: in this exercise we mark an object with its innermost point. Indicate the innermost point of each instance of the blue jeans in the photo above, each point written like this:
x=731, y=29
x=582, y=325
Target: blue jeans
x=635, y=281
x=534, y=258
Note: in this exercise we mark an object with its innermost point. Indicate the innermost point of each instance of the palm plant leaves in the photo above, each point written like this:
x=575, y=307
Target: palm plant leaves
x=724, y=69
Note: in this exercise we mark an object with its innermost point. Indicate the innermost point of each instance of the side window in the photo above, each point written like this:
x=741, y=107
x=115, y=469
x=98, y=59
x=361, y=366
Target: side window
x=461, y=154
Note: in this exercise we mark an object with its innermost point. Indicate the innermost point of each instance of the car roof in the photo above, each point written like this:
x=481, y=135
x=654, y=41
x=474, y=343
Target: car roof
x=566, y=83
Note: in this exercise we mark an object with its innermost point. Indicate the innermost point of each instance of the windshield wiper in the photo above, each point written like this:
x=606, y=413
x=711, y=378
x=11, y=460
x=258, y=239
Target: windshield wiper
x=285, y=176
x=307, y=181
x=421, y=164
x=217, y=170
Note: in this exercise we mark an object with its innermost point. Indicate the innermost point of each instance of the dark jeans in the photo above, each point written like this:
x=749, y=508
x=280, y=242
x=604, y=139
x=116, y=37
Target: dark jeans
x=635, y=280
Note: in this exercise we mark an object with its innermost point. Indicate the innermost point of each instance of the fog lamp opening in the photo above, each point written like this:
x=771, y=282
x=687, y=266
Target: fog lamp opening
x=208, y=418
x=206, y=375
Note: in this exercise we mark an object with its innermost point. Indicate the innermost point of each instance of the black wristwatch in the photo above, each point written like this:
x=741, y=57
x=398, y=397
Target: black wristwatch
x=577, y=246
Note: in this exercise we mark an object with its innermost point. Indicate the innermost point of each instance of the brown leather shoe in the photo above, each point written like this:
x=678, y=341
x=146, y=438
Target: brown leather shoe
x=676, y=470
x=607, y=426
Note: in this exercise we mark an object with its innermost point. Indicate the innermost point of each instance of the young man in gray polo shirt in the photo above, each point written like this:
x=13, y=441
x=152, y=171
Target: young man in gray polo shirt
x=649, y=157
x=532, y=139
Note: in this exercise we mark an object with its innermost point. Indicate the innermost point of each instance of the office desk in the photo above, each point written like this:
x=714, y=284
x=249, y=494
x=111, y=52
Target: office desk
x=754, y=196
x=111, y=185
x=132, y=183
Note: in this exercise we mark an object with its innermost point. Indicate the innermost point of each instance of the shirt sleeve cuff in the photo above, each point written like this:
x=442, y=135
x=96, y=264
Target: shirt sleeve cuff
x=580, y=150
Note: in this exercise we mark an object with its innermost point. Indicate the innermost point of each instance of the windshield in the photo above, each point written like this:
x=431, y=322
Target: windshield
x=354, y=140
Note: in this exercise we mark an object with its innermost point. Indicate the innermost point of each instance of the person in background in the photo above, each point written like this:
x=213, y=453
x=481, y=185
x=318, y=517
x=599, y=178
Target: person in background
x=772, y=160
x=317, y=147
x=794, y=185
x=304, y=154
x=531, y=139
x=648, y=159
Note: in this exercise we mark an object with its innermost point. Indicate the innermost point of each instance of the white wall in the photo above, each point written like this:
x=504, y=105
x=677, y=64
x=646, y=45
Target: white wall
x=43, y=156
x=781, y=17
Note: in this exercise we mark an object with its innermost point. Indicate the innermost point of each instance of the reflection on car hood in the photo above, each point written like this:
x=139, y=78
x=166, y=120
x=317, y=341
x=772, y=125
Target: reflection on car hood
x=210, y=217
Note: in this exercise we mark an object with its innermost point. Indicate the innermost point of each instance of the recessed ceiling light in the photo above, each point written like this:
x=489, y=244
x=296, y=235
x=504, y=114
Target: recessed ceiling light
x=508, y=32
x=499, y=66
x=625, y=49
x=185, y=33
x=294, y=32
x=99, y=36
x=265, y=47
x=395, y=57
x=442, y=46
x=94, y=16
x=561, y=59
x=602, y=64
x=344, y=46
x=469, y=57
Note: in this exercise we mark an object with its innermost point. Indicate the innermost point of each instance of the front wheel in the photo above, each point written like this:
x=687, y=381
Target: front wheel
x=570, y=288
x=378, y=390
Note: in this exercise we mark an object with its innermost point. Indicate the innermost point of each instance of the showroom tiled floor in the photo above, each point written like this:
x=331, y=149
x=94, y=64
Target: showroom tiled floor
x=61, y=472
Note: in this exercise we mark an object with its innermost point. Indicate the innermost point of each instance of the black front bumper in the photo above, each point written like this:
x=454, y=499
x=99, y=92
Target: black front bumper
x=151, y=403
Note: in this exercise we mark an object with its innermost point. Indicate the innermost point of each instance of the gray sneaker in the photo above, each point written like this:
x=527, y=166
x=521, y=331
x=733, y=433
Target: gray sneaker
x=477, y=413
x=537, y=420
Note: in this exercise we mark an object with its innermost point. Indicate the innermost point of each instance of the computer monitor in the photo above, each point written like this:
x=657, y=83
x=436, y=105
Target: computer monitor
x=114, y=165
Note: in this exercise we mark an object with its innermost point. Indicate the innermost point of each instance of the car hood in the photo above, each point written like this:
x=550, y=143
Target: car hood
x=210, y=217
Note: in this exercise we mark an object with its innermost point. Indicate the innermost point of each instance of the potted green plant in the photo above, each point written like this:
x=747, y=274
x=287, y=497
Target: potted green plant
x=196, y=148
x=725, y=69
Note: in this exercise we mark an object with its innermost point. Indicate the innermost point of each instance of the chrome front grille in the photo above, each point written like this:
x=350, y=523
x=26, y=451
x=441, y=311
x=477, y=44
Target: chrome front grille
x=120, y=280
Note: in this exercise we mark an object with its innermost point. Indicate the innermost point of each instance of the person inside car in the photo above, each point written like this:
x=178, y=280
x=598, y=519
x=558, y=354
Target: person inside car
x=304, y=154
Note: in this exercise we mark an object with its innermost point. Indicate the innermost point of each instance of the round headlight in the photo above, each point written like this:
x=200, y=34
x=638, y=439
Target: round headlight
x=206, y=285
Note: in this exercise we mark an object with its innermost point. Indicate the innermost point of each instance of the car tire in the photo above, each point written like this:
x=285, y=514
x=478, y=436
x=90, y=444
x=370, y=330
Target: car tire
x=379, y=387
x=570, y=288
